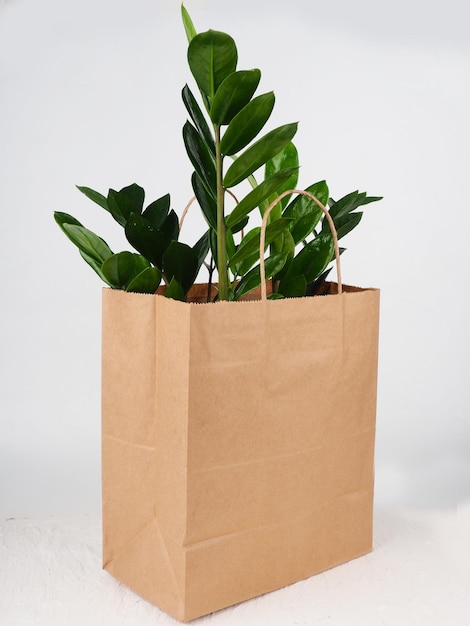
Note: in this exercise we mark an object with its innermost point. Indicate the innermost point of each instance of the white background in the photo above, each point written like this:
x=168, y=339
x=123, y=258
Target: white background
x=90, y=95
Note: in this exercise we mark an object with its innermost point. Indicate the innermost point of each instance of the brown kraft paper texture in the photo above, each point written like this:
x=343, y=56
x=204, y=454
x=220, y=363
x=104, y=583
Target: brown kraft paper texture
x=238, y=443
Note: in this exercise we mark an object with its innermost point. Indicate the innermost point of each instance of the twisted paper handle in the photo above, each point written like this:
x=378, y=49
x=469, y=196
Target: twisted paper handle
x=263, y=237
x=186, y=208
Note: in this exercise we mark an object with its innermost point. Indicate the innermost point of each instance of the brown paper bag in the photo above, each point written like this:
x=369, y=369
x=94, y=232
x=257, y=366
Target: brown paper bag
x=238, y=443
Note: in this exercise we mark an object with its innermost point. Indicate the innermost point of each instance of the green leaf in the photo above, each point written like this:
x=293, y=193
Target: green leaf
x=181, y=263
x=146, y=282
x=233, y=94
x=260, y=152
x=313, y=287
x=86, y=241
x=170, y=227
x=95, y=196
x=121, y=268
x=200, y=156
x=212, y=56
x=126, y=201
x=284, y=244
x=242, y=267
x=198, y=118
x=188, y=24
x=230, y=245
x=258, y=194
x=213, y=245
x=201, y=248
x=293, y=287
x=205, y=200
x=175, y=290
x=305, y=213
x=146, y=239
x=250, y=245
x=157, y=212
x=252, y=280
x=65, y=218
x=247, y=124
x=286, y=158
x=312, y=260
x=344, y=224
x=236, y=228
x=96, y=266
x=350, y=202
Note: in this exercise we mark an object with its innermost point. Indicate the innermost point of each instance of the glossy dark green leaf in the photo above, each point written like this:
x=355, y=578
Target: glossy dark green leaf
x=175, y=290
x=201, y=248
x=256, y=155
x=198, y=118
x=212, y=56
x=312, y=260
x=293, y=286
x=252, y=280
x=205, y=200
x=286, y=158
x=250, y=245
x=86, y=241
x=350, y=202
x=93, y=262
x=242, y=267
x=181, y=263
x=201, y=157
x=305, y=213
x=95, y=196
x=170, y=227
x=157, y=211
x=247, y=124
x=257, y=195
x=230, y=245
x=343, y=224
x=236, y=228
x=65, y=218
x=146, y=239
x=314, y=287
x=96, y=266
x=126, y=201
x=284, y=244
x=234, y=93
x=146, y=282
x=188, y=24
x=122, y=267
x=213, y=245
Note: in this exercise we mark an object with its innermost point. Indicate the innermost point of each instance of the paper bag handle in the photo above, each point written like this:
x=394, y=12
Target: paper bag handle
x=263, y=237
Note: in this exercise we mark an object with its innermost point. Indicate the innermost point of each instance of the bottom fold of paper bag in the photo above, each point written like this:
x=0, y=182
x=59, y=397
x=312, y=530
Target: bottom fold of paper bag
x=191, y=581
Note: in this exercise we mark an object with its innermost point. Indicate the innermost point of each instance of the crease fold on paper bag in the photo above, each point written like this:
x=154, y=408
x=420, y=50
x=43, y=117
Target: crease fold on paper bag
x=238, y=443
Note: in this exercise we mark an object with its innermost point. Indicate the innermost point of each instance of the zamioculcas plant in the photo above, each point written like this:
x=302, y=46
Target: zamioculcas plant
x=236, y=118
x=226, y=147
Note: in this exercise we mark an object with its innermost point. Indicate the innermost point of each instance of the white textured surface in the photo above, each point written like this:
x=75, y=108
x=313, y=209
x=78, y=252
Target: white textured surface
x=418, y=575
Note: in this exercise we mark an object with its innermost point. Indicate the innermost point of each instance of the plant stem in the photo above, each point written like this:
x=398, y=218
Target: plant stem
x=221, y=236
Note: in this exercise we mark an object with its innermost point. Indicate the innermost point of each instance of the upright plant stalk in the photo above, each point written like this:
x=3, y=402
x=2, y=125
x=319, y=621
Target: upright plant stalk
x=222, y=267
x=228, y=96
